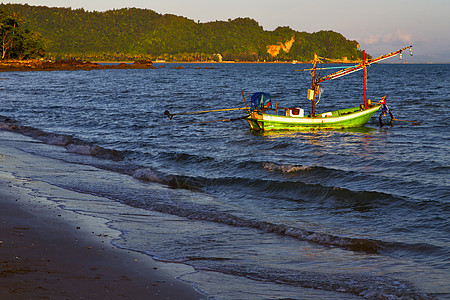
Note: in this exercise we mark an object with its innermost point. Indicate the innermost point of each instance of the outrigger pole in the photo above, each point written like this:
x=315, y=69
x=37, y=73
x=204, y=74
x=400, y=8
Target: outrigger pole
x=358, y=67
x=170, y=115
x=314, y=91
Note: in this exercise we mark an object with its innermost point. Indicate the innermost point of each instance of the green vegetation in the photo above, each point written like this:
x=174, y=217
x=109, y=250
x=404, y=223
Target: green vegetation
x=133, y=34
x=16, y=42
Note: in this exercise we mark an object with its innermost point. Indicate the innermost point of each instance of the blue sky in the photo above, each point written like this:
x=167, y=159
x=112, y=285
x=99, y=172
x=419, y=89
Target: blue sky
x=379, y=26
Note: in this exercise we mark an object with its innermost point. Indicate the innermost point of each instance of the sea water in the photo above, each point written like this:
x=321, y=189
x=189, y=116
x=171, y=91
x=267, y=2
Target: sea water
x=360, y=213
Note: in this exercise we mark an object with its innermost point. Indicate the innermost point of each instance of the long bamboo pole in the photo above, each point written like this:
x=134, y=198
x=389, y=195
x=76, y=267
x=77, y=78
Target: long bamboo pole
x=167, y=113
x=245, y=101
x=413, y=122
x=212, y=121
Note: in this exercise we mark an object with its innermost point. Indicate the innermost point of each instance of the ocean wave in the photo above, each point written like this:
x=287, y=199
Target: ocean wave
x=284, y=168
x=365, y=286
x=208, y=213
x=147, y=174
x=185, y=158
x=290, y=189
x=297, y=190
x=72, y=144
x=77, y=146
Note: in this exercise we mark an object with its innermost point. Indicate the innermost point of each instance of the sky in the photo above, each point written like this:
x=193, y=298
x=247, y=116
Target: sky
x=380, y=26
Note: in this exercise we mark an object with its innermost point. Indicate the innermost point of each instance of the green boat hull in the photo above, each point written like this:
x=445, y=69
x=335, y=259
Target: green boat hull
x=340, y=119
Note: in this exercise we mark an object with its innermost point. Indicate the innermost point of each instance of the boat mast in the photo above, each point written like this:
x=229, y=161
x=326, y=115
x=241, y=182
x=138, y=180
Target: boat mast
x=312, y=92
x=365, y=79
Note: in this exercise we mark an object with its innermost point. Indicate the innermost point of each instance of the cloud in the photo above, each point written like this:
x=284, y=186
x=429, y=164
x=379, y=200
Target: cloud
x=372, y=40
x=399, y=36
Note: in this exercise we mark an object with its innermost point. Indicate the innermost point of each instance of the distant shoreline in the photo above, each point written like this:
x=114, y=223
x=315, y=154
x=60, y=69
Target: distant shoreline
x=68, y=65
x=71, y=65
x=289, y=62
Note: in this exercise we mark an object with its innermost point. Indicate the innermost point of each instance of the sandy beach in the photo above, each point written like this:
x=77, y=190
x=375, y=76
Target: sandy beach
x=53, y=253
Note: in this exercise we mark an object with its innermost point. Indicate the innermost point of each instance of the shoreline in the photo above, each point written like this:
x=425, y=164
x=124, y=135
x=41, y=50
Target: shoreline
x=51, y=252
x=76, y=65
x=68, y=65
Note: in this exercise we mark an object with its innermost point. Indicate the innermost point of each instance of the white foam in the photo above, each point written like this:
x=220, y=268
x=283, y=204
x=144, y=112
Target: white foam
x=287, y=168
x=147, y=175
x=80, y=149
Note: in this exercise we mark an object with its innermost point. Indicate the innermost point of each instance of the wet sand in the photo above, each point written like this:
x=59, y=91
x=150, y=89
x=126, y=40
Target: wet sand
x=51, y=253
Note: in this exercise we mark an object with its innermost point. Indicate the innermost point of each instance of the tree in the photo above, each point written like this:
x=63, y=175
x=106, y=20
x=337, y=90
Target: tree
x=30, y=46
x=17, y=42
x=7, y=32
x=145, y=33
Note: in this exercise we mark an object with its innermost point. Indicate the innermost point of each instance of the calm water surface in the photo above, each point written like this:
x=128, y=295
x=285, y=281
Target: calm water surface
x=329, y=214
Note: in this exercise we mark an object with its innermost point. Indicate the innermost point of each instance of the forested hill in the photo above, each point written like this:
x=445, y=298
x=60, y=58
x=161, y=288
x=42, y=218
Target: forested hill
x=141, y=33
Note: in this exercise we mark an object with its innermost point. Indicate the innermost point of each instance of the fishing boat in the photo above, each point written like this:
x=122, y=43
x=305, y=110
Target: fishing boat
x=263, y=116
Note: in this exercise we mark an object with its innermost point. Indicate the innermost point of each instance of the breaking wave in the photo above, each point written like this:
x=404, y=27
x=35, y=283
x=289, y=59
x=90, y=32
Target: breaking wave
x=72, y=144
x=212, y=214
x=147, y=174
x=288, y=168
x=366, y=286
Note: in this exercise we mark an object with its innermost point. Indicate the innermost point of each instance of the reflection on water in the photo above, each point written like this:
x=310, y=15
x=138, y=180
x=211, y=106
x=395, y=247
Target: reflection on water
x=282, y=133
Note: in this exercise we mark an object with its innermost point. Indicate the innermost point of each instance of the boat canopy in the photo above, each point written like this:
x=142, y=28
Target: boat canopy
x=261, y=100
